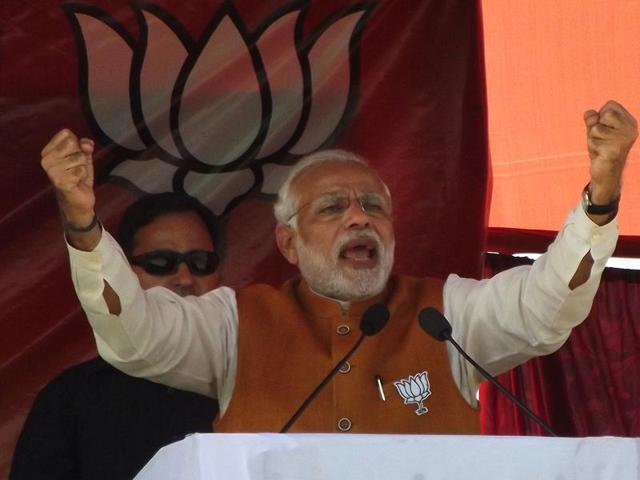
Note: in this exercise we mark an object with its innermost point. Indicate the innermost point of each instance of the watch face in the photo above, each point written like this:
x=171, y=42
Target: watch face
x=585, y=198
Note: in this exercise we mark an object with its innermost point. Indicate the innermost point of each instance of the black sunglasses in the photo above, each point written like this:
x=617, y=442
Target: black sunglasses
x=166, y=262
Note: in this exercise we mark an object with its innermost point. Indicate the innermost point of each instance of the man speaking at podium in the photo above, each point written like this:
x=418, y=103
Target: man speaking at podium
x=261, y=350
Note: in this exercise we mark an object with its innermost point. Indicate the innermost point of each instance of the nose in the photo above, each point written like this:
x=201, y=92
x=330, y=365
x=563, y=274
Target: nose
x=355, y=216
x=183, y=281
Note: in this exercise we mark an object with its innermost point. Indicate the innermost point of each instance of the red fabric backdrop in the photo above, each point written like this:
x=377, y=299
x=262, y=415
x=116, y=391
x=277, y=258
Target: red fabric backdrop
x=409, y=96
x=590, y=386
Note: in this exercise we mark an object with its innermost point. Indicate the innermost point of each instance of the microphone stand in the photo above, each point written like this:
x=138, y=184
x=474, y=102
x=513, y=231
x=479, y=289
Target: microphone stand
x=326, y=380
x=500, y=387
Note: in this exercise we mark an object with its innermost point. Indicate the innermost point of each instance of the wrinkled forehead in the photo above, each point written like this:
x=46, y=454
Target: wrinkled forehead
x=334, y=177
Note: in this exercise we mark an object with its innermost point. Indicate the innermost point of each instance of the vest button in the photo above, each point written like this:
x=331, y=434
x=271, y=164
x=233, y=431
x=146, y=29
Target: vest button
x=345, y=368
x=343, y=329
x=344, y=424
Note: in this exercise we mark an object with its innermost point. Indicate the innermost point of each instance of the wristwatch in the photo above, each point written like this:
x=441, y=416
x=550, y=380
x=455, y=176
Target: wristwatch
x=592, y=208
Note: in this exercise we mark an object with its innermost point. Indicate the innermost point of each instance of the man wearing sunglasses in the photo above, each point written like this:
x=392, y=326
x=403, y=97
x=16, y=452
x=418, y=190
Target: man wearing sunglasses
x=261, y=350
x=169, y=240
x=95, y=422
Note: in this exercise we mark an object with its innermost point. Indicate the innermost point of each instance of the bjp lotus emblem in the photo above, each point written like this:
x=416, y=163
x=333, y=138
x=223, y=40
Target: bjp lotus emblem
x=415, y=389
x=223, y=115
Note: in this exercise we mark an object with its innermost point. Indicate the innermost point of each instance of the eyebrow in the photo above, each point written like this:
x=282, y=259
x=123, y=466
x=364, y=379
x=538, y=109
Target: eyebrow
x=329, y=195
x=339, y=193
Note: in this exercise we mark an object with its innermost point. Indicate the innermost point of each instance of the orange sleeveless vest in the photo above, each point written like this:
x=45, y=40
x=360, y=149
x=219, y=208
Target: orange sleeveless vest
x=290, y=339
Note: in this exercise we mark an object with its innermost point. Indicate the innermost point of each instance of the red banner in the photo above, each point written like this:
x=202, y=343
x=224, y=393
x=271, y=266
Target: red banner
x=219, y=99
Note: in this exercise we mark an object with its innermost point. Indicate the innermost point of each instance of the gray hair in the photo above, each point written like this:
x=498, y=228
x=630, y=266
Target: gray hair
x=285, y=207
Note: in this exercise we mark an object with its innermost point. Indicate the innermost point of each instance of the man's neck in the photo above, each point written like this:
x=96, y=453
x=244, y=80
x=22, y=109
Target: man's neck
x=344, y=304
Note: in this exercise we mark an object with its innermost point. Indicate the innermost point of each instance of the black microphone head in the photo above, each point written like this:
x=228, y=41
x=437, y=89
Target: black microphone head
x=434, y=323
x=374, y=319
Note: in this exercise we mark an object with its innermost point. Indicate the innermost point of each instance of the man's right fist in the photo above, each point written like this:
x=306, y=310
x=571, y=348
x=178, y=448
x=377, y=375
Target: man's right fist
x=68, y=163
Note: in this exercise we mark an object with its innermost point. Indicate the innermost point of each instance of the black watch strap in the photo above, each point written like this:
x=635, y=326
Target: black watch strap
x=594, y=209
x=70, y=227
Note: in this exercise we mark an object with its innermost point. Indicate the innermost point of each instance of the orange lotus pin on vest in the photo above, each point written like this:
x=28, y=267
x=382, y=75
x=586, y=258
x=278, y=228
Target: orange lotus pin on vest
x=415, y=389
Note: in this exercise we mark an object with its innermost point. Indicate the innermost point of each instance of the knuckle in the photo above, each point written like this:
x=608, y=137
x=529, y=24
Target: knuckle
x=66, y=134
x=611, y=105
x=611, y=116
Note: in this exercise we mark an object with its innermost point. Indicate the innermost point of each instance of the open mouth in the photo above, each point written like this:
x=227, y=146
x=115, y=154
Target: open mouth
x=360, y=253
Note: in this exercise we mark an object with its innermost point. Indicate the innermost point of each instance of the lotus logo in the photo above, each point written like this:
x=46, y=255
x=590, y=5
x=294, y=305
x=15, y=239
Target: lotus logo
x=415, y=389
x=222, y=116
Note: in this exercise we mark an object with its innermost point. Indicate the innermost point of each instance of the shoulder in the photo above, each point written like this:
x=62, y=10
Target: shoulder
x=416, y=284
x=59, y=397
x=258, y=292
x=78, y=373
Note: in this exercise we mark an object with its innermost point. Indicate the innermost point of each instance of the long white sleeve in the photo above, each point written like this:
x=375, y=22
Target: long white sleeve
x=529, y=310
x=191, y=343
x=188, y=343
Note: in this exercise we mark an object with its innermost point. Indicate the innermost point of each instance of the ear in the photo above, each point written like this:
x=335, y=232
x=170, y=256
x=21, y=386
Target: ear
x=285, y=241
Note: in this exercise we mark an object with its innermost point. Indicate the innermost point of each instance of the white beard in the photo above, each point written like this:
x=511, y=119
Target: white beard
x=326, y=277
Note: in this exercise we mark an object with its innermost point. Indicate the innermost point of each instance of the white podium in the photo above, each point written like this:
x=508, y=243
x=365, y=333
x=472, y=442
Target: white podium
x=393, y=457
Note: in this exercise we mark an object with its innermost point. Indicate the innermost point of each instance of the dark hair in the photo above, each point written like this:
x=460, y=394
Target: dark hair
x=146, y=209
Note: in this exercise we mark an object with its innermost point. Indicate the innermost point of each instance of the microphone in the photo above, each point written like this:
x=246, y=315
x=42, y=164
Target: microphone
x=439, y=328
x=373, y=320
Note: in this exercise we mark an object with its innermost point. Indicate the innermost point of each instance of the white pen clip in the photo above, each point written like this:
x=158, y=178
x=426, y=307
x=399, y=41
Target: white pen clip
x=378, y=380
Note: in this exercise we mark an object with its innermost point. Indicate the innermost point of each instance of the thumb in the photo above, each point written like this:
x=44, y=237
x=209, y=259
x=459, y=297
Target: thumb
x=87, y=146
x=591, y=118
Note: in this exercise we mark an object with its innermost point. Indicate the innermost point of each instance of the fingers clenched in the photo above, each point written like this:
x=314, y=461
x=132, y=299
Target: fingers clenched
x=63, y=142
x=611, y=133
x=67, y=160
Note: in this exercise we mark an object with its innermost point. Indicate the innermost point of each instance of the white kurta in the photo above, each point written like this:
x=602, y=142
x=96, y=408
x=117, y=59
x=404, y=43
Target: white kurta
x=191, y=343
